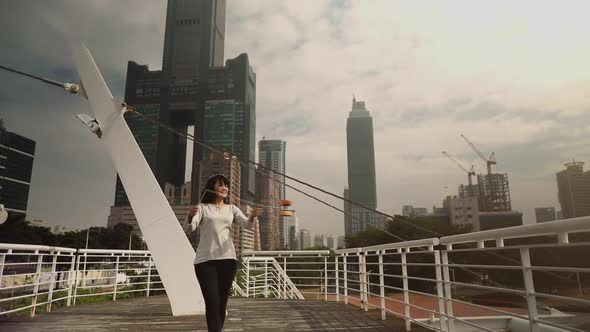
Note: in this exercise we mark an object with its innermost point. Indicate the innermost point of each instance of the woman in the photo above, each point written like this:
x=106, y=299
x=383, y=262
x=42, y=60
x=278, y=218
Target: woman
x=215, y=261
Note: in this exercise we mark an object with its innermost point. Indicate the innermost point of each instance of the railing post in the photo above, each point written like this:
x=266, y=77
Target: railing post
x=247, y=277
x=407, y=316
x=448, y=290
x=2, y=260
x=381, y=285
x=363, y=285
x=285, y=277
x=265, y=278
x=337, y=276
x=325, y=278
x=36, y=281
x=345, y=267
x=84, y=270
x=72, y=278
x=116, y=274
x=439, y=289
x=149, y=278
x=529, y=289
x=52, y=284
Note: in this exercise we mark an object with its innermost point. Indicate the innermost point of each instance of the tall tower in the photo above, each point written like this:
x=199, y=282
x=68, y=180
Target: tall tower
x=194, y=88
x=271, y=154
x=361, y=167
x=194, y=39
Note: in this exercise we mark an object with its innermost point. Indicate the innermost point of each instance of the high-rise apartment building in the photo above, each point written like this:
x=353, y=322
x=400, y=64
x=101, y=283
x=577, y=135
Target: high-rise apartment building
x=230, y=167
x=320, y=240
x=16, y=166
x=272, y=154
x=304, y=239
x=462, y=211
x=361, y=167
x=178, y=195
x=341, y=242
x=573, y=185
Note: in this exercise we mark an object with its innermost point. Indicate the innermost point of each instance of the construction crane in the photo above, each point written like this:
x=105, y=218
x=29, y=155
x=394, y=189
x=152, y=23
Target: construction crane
x=489, y=161
x=470, y=172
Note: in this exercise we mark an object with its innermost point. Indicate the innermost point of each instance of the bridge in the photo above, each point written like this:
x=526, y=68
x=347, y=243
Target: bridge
x=525, y=278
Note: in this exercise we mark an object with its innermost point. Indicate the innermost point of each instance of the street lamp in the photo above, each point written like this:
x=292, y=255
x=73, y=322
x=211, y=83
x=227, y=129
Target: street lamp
x=86, y=257
x=87, y=234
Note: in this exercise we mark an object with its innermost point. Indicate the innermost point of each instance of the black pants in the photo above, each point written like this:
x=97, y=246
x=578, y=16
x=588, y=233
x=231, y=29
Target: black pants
x=215, y=278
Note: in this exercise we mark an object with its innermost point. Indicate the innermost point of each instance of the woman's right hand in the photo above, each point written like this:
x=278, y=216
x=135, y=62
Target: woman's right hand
x=193, y=210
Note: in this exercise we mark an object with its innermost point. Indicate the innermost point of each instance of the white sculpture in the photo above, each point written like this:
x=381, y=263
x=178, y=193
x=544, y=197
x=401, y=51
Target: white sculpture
x=168, y=244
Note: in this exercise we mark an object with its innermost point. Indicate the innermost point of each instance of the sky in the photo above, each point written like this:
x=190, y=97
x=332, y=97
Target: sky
x=512, y=76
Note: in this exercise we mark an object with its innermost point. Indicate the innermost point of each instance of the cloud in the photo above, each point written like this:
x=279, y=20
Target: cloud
x=495, y=71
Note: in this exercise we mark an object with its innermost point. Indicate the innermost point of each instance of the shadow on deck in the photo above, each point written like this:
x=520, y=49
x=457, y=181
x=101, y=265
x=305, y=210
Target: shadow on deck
x=245, y=314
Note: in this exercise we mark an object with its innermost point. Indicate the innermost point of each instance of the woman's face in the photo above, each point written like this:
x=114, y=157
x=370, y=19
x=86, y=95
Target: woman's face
x=221, y=189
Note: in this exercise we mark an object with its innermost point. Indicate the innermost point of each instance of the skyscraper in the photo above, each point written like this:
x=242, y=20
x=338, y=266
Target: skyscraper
x=194, y=87
x=194, y=40
x=271, y=154
x=267, y=196
x=229, y=117
x=573, y=185
x=304, y=239
x=361, y=167
x=16, y=167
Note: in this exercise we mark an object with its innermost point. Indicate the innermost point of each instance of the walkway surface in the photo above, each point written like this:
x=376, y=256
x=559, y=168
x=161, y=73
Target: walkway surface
x=245, y=314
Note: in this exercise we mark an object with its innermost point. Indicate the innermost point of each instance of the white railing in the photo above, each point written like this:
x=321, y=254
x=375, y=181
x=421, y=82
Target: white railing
x=538, y=266
x=115, y=272
x=311, y=271
x=379, y=276
x=263, y=276
x=483, y=281
x=33, y=277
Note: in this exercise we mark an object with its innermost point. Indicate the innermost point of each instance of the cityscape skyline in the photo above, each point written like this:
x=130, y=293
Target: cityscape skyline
x=415, y=116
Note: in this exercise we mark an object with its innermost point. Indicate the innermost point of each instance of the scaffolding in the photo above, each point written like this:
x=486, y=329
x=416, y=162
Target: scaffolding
x=469, y=190
x=494, y=192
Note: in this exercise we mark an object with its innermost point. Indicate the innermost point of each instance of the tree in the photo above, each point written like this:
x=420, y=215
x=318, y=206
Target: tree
x=405, y=228
x=2, y=128
x=20, y=231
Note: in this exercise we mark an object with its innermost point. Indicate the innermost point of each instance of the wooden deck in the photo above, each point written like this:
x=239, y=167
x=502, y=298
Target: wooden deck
x=245, y=314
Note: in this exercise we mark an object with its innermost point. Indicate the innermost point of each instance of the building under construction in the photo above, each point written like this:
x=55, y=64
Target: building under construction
x=494, y=192
x=492, y=189
x=469, y=190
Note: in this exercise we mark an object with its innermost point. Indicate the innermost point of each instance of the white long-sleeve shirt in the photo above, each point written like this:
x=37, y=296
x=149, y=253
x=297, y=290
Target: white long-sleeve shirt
x=214, y=223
